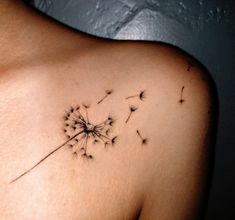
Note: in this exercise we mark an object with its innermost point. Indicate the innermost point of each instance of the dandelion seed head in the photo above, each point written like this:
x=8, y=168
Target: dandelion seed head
x=107, y=132
x=142, y=95
x=85, y=132
x=90, y=157
x=84, y=155
x=109, y=92
x=86, y=106
x=111, y=123
x=144, y=141
x=96, y=141
x=181, y=101
x=114, y=140
x=82, y=149
x=133, y=108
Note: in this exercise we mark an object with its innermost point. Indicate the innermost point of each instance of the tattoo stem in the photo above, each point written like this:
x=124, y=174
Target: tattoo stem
x=132, y=96
x=102, y=99
x=141, y=96
x=144, y=140
x=128, y=117
x=132, y=109
x=26, y=172
x=108, y=92
x=181, y=95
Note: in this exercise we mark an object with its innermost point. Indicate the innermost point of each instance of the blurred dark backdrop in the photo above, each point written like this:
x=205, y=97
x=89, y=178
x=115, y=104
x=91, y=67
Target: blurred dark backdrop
x=204, y=29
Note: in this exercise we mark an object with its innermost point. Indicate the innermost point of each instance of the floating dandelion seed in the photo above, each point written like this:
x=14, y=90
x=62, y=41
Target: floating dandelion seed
x=144, y=140
x=190, y=65
x=113, y=141
x=141, y=95
x=132, y=110
x=80, y=133
x=181, y=96
x=95, y=141
x=108, y=93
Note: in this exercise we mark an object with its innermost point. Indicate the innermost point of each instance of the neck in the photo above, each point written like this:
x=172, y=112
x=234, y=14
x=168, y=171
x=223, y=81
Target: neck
x=12, y=21
x=26, y=35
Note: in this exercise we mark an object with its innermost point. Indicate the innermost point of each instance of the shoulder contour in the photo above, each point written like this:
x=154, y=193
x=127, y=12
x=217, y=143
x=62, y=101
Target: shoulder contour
x=165, y=71
x=180, y=102
x=183, y=87
x=165, y=56
x=156, y=63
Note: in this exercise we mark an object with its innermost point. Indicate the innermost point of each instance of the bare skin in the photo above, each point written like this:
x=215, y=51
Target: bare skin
x=158, y=166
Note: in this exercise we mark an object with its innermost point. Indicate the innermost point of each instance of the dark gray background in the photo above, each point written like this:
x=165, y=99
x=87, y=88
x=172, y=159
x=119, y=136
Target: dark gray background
x=205, y=29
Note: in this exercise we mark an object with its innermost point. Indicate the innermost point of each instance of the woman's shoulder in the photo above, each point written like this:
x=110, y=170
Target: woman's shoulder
x=177, y=112
x=156, y=61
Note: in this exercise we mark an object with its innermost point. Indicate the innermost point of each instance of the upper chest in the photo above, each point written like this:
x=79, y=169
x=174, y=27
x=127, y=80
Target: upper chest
x=67, y=185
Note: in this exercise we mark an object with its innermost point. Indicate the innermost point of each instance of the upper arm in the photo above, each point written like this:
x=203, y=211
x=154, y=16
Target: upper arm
x=181, y=138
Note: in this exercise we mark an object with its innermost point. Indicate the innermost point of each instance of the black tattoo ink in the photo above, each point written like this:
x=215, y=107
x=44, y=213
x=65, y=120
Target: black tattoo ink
x=114, y=140
x=96, y=133
x=141, y=95
x=132, y=110
x=190, y=65
x=86, y=110
x=80, y=132
x=144, y=140
x=181, y=96
x=108, y=93
x=43, y=159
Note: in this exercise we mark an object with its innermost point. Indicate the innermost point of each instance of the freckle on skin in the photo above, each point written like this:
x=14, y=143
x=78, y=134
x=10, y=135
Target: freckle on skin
x=76, y=83
x=51, y=177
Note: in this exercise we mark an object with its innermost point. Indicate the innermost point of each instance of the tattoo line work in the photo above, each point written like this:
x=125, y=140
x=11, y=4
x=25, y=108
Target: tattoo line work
x=144, y=140
x=141, y=95
x=80, y=132
x=181, y=95
x=108, y=93
x=75, y=122
x=132, y=109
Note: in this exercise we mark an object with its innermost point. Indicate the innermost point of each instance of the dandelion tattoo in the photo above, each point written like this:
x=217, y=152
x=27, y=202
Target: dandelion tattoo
x=143, y=140
x=181, y=96
x=108, y=93
x=132, y=109
x=76, y=123
x=141, y=96
x=80, y=133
